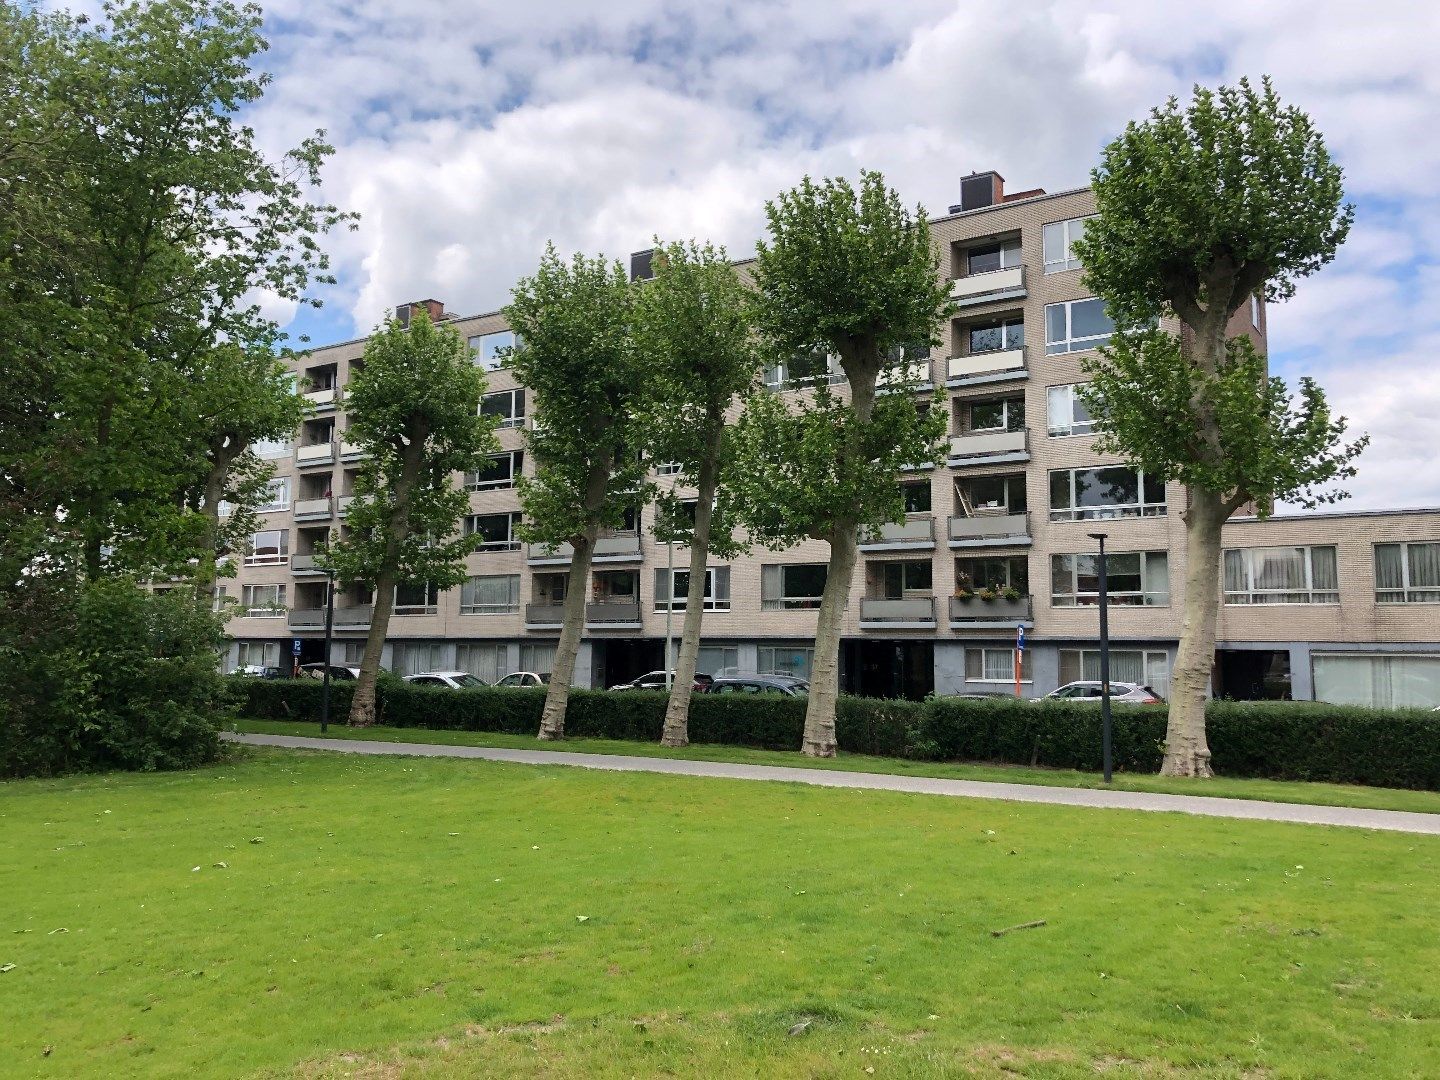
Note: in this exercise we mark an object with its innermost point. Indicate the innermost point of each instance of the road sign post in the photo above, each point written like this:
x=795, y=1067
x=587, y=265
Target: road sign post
x=1019, y=655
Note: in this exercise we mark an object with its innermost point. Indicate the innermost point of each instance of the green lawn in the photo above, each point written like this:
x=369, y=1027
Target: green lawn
x=382, y=916
x=1222, y=787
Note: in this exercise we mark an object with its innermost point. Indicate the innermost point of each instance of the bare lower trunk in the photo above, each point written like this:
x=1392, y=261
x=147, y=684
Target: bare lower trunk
x=362, y=705
x=825, y=676
x=1186, y=751
x=222, y=457
x=552, y=720
x=677, y=710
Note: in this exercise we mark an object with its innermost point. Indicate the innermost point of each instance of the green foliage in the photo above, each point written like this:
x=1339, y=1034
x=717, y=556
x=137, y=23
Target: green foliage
x=107, y=675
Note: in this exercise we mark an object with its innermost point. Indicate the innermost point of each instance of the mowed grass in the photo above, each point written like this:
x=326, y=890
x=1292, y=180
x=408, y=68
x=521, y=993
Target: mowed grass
x=1425, y=802
x=380, y=916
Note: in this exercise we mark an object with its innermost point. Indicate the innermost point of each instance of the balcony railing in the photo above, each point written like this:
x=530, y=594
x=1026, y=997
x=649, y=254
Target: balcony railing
x=1011, y=445
x=322, y=399
x=355, y=617
x=350, y=451
x=990, y=530
x=305, y=564
x=311, y=509
x=544, y=614
x=913, y=373
x=916, y=532
x=342, y=504
x=1005, y=362
x=985, y=288
x=612, y=613
x=977, y=614
x=615, y=547
x=315, y=454
x=920, y=610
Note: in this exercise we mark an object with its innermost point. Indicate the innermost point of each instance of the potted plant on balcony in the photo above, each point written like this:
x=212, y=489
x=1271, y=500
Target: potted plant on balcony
x=990, y=594
x=964, y=588
x=1012, y=594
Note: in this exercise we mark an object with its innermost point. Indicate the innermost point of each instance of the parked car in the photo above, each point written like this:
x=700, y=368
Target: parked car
x=1087, y=690
x=655, y=680
x=760, y=684
x=455, y=680
x=524, y=678
x=317, y=671
x=256, y=671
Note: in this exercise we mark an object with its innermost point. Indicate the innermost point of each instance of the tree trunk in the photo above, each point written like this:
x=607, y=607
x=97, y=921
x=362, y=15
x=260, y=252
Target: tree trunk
x=362, y=705
x=825, y=678
x=1186, y=750
x=557, y=696
x=677, y=710
x=222, y=457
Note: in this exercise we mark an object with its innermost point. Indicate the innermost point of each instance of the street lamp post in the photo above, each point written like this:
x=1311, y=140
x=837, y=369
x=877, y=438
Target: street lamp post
x=329, y=632
x=1105, y=729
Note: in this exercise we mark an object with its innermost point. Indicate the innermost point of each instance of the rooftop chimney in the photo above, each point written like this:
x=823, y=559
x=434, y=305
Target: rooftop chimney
x=405, y=312
x=978, y=190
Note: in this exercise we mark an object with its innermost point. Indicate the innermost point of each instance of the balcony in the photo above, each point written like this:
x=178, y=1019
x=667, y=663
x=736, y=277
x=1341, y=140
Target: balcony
x=315, y=454
x=1007, y=284
x=544, y=616
x=989, y=448
x=312, y=509
x=346, y=618
x=913, y=534
x=614, y=548
x=915, y=374
x=990, y=530
x=350, y=451
x=322, y=400
x=985, y=367
x=342, y=504
x=915, y=614
x=1000, y=614
x=305, y=564
x=612, y=613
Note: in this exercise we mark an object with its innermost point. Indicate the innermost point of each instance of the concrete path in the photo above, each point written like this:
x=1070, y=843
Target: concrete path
x=1204, y=805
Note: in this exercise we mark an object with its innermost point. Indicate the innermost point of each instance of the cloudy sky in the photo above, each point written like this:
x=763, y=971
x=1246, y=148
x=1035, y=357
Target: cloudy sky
x=469, y=134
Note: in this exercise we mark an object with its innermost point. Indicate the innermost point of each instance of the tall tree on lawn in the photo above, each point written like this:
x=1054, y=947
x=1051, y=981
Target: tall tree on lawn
x=1201, y=211
x=414, y=413
x=592, y=388
x=851, y=274
x=695, y=335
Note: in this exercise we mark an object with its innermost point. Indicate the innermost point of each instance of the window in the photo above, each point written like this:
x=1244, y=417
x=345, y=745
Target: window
x=500, y=471
x=1058, y=240
x=268, y=548
x=1135, y=578
x=1076, y=325
x=507, y=406
x=413, y=657
x=712, y=659
x=537, y=656
x=277, y=496
x=270, y=448
x=417, y=598
x=804, y=371
x=1068, y=413
x=779, y=660
x=995, y=665
x=354, y=653
x=263, y=601
x=667, y=468
x=491, y=594
x=1407, y=573
x=1002, y=414
x=717, y=589
x=485, y=661
x=784, y=587
x=1378, y=680
x=258, y=654
x=998, y=572
x=496, y=531
x=1113, y=491
x=1281, y=575
x=999, y=336
x=916, y=497
x=492, y=350
x=1145, y=667
x=989, y=257
x=1255, y=310
x=897, y=580
x=982, y=496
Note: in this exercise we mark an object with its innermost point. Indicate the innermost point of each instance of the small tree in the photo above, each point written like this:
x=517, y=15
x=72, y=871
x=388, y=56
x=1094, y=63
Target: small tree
x=1199, y=211
x=695, y=334
x=591, y=390
x=414, y=413
x=855, y=275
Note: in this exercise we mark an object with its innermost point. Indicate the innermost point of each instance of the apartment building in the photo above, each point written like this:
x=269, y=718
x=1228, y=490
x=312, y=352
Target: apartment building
x=1336, y=606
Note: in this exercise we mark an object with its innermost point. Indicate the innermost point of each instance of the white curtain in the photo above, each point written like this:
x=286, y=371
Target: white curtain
x=1382, y=681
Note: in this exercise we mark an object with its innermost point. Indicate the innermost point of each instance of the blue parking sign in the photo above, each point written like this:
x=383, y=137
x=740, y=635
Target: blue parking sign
x=295, y=647
x=1020, y=638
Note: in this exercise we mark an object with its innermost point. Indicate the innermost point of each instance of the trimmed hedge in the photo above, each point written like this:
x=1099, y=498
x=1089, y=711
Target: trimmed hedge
x=1278, y=740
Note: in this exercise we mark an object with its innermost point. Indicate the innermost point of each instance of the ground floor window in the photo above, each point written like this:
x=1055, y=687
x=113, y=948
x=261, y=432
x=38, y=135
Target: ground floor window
x=354, y=653
x=1379, y=680
x=778, y=660
x=1146, y=667
x=714, y=658
x=995, y=665
x=537, y=656
x=485, y=661
x=413, y=657
x=258, y=654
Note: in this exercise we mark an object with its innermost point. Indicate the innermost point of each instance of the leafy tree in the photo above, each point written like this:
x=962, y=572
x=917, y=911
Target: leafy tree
x=695, y=334
x=1199, y=210
x=414, y=413
x=591, y=389
x=853, y=274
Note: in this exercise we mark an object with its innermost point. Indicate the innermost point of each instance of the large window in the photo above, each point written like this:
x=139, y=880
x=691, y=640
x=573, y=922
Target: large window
x=537, y=656
x=1058, y=239
x=1077, y=325
x=899, y=580
x=983, y=496
x=1281, y=575
x=1068, y=413
x=419, y=598
x=782, y=660
x=1114, y=491
x=999, y=414
x=415, y=657
x=263, y=601
x=805, y=371
x=792, y=586
x=717, y=589
x=258, y=654
x=270, y=448
x=496, y=531
x=1135, y=577
x=916, y=497
x=1407, y=573
x=1146, y=667
x=500, y=471
x=999, y=336
x=1378, y=680
x=998, y=572
x=985, y=258
x=507, y=406
x=270, y=547
x=490, y=594
x=995, y=665
x=277, y=496
x=492, y=350
x=484, y=660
